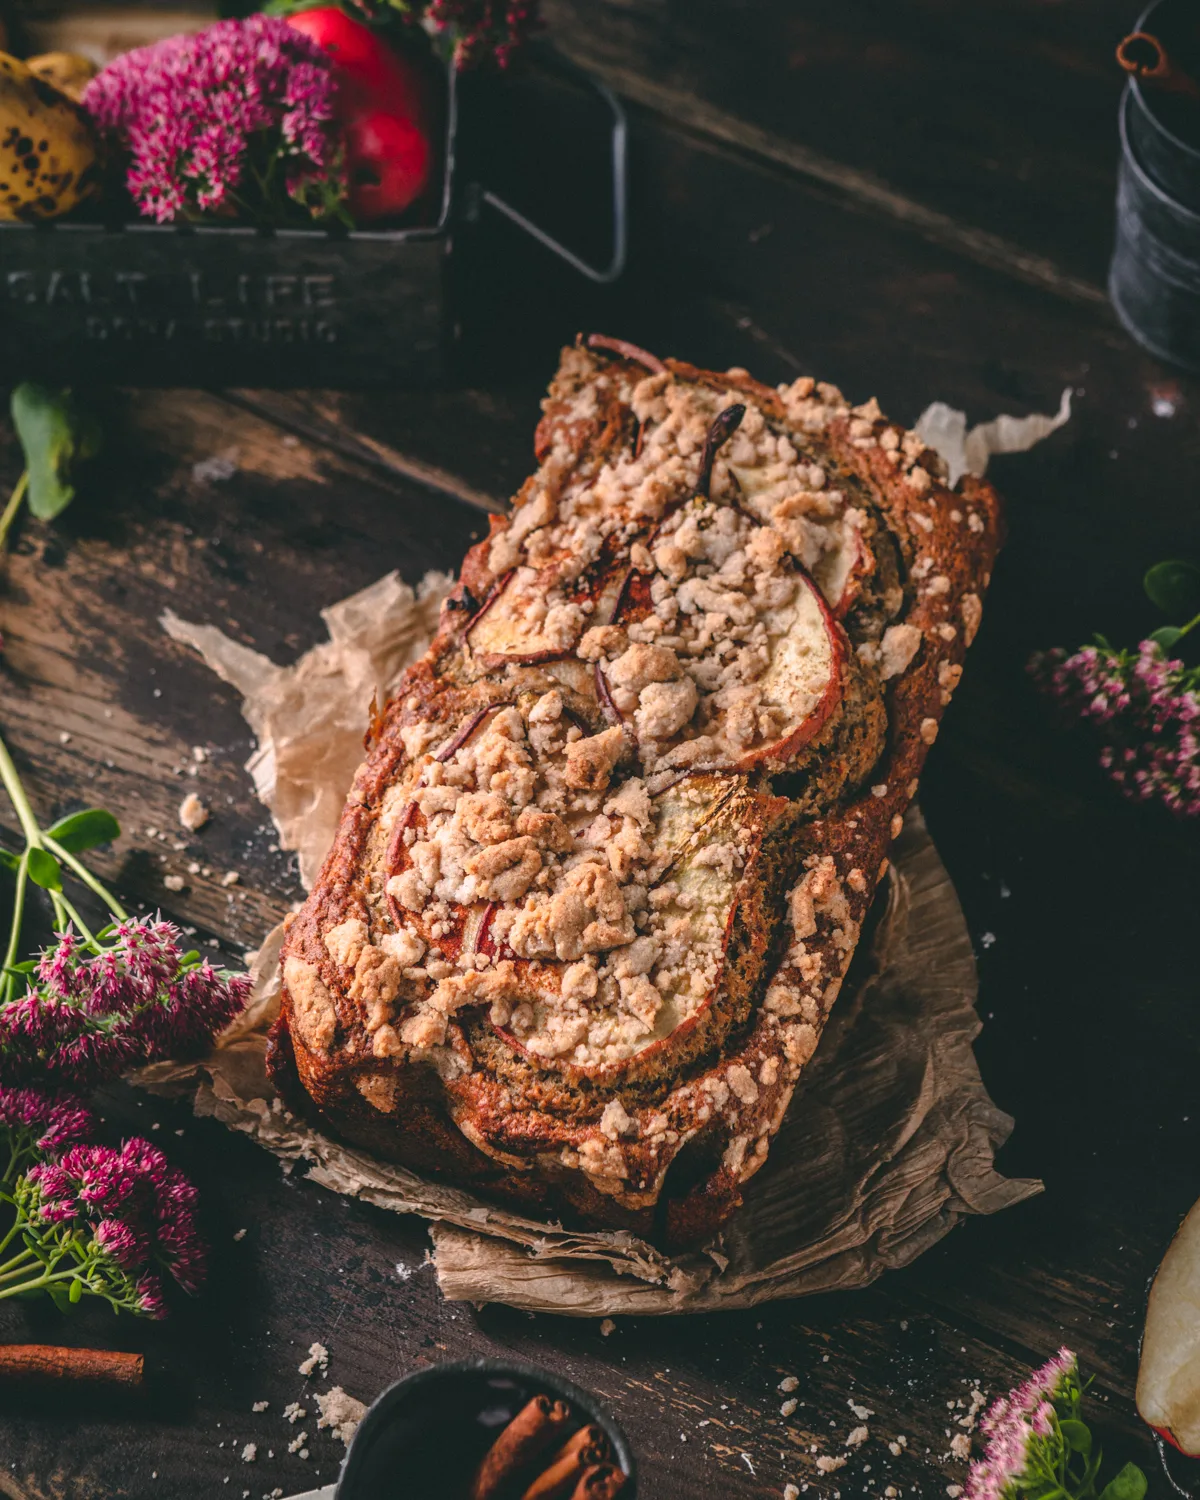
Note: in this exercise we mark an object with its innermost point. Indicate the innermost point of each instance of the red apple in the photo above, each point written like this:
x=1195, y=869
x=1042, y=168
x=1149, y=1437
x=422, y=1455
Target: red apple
x=383, y=107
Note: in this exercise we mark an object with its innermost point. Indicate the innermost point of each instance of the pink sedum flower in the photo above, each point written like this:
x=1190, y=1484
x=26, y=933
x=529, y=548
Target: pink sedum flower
x=139, y=1210
x=484, y=29
x=91, y=1016
x=48, y=1121
x=1013, y=1424
x=1144, y=709
x=208, y=120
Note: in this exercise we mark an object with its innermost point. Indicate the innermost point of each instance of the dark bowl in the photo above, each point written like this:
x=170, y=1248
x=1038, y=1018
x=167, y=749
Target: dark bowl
x=424, y=1436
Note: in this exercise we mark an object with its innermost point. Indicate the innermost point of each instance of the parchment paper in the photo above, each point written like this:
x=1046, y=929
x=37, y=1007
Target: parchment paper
x=889, y=1141
x=944, y=428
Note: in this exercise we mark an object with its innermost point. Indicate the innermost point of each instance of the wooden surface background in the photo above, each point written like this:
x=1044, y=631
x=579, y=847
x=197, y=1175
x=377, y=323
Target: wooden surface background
x=912, y=199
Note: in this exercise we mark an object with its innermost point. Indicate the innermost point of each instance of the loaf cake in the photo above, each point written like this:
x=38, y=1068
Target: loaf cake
x=601, y=874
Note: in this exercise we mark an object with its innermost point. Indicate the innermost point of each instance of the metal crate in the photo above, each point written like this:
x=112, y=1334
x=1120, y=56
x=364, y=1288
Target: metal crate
x=144, y=304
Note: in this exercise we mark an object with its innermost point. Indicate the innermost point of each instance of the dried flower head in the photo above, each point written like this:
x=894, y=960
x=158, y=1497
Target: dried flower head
x=137, y=1210
x=36, y=1120
x=91, y=1016
x=1022, y=1433
x=239, y=116
x=1144, y=709
x=484, y=29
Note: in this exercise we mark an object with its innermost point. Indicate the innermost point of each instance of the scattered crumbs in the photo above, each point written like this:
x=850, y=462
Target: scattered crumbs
x=215, y=470
x=824, y=1359
x=788, y=1407
x=199, y=754
x=151, y=833
x=971, y=1416
x=192, y=813
x=239, y=1234
x=298, y=1442
x=317, y=1355
x=194, y=867
x=403, y=1271
x=340, y=1413
x=790, y=1492
x=293, y=1411
x=857, y=1437
x=260, y=1406
x=173, y=882
x=960, y=1446
x=861, y=1412
x=249, y=1453
x=230, y=877
x=788, y=1384
x=897, y=1446
x=988, y=939
x=829, y=1465
x=65, y=739
x=607, y=1327
x=954, y=1491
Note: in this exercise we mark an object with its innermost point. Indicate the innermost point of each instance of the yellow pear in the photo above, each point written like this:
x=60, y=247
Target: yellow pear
x=68, y=72
x=48, y=155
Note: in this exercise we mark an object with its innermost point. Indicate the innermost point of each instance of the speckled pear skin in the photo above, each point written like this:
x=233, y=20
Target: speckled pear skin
x=49, y=158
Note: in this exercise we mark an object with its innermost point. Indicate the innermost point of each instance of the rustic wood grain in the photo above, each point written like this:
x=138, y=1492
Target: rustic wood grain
x=1083, y=907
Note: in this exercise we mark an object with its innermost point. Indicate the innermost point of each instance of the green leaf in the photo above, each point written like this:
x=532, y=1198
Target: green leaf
x=45, y=870
x=84, y=830
x=1129, y=1484
x=27, y=966
x=57, y=436
x=1166, y=636
x=9, y=861
x=1175, y=587
x=1077, y=1435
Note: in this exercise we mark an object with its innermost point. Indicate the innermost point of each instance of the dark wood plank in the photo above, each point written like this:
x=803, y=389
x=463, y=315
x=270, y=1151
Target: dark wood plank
x=1088, y=990
x=993, y=116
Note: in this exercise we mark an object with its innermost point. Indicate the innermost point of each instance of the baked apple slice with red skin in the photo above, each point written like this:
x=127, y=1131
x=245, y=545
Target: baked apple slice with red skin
x=841, y=573
x=836, y=649
x=723, y=810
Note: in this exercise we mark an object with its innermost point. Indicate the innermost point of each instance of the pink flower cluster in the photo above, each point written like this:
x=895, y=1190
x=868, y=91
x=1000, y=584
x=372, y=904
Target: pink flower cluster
x=88, y=1016
x=50, y=1122
x=485, y=28
x=207, y=119
x=139, y=1210
x=1014, y=1422
x=1145, y=709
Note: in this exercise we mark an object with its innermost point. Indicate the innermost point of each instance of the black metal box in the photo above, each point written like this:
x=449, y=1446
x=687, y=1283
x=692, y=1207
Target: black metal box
x=143, y=304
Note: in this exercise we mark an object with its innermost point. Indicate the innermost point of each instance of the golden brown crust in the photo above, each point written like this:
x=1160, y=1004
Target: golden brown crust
x=659, y=1137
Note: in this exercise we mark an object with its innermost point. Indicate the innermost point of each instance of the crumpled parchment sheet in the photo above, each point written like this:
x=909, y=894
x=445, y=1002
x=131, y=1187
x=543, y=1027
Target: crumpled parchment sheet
x=890, y=1138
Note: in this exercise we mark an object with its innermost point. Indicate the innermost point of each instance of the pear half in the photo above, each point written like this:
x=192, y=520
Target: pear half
x=1168, y=1387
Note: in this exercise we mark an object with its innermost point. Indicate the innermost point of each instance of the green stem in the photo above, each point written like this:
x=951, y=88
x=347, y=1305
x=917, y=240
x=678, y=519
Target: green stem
x=84, y=930
x=20, y=802
x=18, y=914
x=1191, y=624
x=18, y=1265
x=84, y=874
x=11, y=509
x=36, y=839
x=37, y=1284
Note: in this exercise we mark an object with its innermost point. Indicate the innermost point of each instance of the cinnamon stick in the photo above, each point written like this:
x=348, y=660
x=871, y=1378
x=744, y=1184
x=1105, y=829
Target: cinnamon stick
x=525, y=1438
x=1143, y=54
x=587, y=1448
x=600, y=1483
x=48, y=1362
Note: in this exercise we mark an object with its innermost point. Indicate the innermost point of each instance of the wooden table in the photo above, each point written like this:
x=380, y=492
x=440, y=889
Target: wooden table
x=915, y=201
